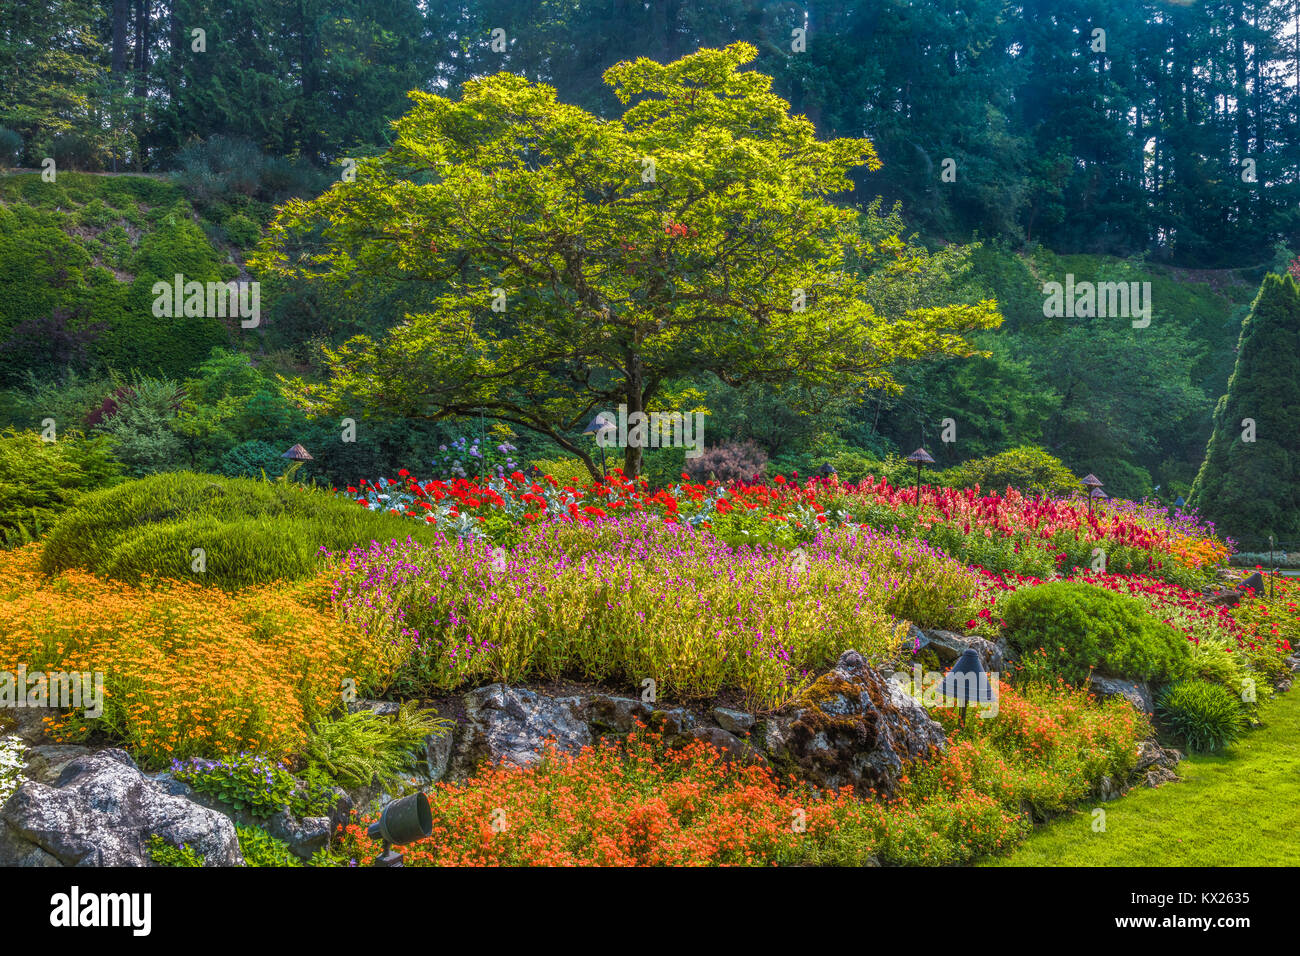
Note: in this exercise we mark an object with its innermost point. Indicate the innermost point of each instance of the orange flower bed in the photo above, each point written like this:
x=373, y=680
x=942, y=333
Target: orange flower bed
x=187, y=670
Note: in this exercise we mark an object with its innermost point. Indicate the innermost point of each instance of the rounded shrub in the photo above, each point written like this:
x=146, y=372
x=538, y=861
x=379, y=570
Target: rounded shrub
x=1081, y=626
x=249, y=532
x=1027, y=469
x=1207, y=716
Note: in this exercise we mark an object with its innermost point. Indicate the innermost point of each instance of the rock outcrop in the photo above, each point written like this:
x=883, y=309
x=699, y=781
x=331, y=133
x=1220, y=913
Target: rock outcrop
x=101, y=811
x=851, y=728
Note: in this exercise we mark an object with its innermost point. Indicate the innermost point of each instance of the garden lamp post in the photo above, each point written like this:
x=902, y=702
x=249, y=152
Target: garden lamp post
x=297, y=455
x=598, y=426
x=1092, y=484
x=1098, y=496
x=918, y=458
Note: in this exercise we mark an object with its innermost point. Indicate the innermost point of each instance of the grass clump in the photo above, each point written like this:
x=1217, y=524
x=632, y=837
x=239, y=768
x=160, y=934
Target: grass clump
x=1207, y=716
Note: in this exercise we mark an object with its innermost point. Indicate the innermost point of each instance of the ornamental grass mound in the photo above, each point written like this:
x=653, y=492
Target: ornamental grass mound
x=225, y=532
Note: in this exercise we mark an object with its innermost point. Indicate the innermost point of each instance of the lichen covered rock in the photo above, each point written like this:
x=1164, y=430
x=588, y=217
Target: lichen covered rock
x=851, y=728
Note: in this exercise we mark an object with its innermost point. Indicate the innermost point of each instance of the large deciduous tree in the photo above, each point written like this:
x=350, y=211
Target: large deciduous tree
x=577, y=264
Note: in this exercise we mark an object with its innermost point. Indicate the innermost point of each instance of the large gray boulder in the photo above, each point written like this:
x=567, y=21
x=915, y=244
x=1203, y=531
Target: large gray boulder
x=851, y=727
x=513, y=725
x=101, y=811
x=303, y=835
x=1135, y=692
x=948, y=646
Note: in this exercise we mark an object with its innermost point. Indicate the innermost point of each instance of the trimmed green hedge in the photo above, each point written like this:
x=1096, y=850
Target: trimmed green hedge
x=59, y=246
x=250, y=532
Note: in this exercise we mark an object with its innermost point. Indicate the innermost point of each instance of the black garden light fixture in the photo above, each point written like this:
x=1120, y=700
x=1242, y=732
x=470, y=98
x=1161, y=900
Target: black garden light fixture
x=918, y=458
x=1092, y=484
x=966, y=683
x=598, y=426
x=403, y=821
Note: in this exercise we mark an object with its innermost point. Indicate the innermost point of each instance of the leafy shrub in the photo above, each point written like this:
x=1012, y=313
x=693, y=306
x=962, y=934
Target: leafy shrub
x=567, y=471
x=259, y=848
x=222, y=166
x=76, y=151
x=474, y=458
x=40, y=479
x=1027, y=469
x=1207, y=716
x=728, y=461
x=51, y=346
x=164, y=854
x=253, y=459
x=355, y=749
x=251, y=532
x=141, y=425
x=255, y=784
x=241, y=230
x=1081, y=626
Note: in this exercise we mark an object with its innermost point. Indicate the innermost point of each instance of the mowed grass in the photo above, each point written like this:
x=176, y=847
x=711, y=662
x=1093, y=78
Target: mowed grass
x=1239, y=808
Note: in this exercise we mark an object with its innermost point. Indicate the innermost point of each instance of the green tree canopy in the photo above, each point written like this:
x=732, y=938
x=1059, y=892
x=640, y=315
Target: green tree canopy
x=576, y=264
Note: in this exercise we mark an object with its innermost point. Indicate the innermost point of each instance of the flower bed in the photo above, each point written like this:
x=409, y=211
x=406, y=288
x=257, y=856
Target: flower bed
x=1006, y=532
x=187, y=670
x=623, y=600
x=634, y=804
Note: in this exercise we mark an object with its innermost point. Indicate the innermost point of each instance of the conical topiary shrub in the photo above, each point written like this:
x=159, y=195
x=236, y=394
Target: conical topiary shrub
x=1249, y=483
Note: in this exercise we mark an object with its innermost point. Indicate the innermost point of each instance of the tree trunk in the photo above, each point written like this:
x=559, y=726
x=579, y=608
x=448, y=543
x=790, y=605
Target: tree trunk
x=121, y=18
x=633, y=454
x=141, y=92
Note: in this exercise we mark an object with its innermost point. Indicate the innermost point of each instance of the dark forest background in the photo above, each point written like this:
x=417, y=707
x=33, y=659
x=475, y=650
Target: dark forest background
x=1116, y=140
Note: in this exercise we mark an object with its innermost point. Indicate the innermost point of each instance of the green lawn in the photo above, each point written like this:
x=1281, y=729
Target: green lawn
x=1241, y=808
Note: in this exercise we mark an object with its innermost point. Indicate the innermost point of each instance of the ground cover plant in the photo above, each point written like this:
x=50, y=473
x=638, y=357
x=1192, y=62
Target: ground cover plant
x=188, y=670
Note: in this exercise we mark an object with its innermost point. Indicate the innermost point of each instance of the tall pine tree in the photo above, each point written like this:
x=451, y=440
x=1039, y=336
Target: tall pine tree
x=1249, y=484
